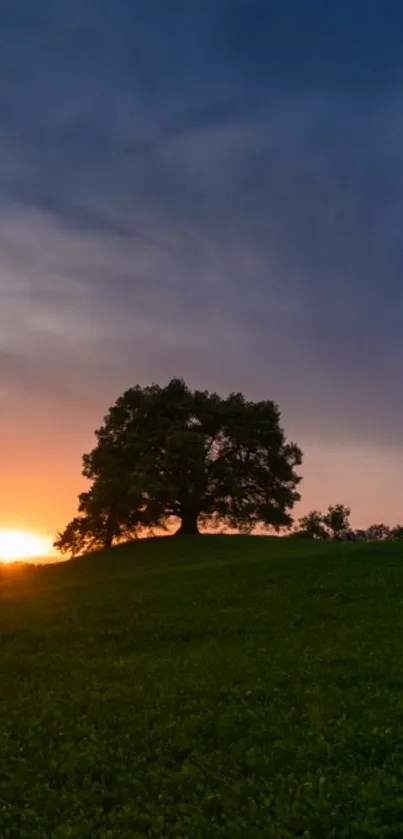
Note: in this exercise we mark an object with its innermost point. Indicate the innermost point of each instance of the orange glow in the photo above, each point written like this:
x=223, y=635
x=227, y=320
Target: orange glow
x=16, y=544
x=41, y=475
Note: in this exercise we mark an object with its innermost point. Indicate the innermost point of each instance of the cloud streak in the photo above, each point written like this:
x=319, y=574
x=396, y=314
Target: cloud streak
x=207, y=191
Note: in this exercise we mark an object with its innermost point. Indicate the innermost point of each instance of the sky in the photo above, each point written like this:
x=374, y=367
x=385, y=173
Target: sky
x=210, y=189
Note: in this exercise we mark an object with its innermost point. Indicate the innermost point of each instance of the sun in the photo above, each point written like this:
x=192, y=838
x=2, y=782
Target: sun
x=16, y=544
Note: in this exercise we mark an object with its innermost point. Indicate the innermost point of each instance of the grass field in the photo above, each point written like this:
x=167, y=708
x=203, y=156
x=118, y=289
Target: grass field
x=212, y=687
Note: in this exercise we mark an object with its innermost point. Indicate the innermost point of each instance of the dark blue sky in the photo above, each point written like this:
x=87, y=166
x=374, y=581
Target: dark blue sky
x=211, y=189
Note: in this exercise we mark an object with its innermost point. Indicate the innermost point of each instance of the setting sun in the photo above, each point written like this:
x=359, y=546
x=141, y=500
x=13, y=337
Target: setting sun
x=15, y=544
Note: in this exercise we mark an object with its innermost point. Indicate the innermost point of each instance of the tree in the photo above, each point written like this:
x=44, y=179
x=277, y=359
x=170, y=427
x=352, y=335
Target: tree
x=334, y=524
x=397, y=532
x=312, y=526
x=166, y=452
x=378, y=532
x=337, y=521
x=78, y=536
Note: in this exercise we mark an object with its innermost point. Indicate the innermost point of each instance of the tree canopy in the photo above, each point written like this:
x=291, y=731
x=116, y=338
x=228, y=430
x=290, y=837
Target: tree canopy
x=312, y=526
x=165, y=452
x=380, y=532
x=337, y=520
x=334, y=524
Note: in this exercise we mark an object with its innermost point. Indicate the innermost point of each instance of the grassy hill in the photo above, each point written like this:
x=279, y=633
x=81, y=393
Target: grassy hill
x=221, y=686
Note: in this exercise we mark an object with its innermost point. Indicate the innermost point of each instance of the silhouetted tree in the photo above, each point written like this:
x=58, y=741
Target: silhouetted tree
x=378, y=532
x=79, y=536
x=334, y=524
x=312, y=526
x=397, y=532
x=337, y=521
x=170, y=452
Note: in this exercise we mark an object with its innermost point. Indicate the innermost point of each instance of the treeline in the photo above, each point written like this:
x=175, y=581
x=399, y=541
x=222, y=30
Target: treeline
x=335, y=524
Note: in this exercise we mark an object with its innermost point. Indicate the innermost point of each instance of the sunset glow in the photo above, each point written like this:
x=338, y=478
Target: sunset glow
x=15, y=544
x=205, y=191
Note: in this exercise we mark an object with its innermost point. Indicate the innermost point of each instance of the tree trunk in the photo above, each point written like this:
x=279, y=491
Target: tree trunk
x=110, y=528
x=189, y=524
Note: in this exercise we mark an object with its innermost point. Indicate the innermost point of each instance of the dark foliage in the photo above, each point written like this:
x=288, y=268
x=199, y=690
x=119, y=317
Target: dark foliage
x=334, y=524
x=172, y=452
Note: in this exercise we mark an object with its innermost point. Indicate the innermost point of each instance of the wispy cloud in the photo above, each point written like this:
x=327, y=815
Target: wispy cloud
x=198, y=191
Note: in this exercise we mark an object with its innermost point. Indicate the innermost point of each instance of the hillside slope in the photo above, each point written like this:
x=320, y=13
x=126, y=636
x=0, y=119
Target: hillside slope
x=220, y=686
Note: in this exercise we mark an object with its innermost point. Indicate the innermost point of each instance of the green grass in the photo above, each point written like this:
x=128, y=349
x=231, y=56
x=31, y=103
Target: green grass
x=214, y=687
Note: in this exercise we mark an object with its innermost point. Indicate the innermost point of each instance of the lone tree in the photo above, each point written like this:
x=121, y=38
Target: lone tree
x=167, y=452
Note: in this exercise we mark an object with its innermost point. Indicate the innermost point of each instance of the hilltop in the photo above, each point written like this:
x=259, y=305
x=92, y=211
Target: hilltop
x=196, y=687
